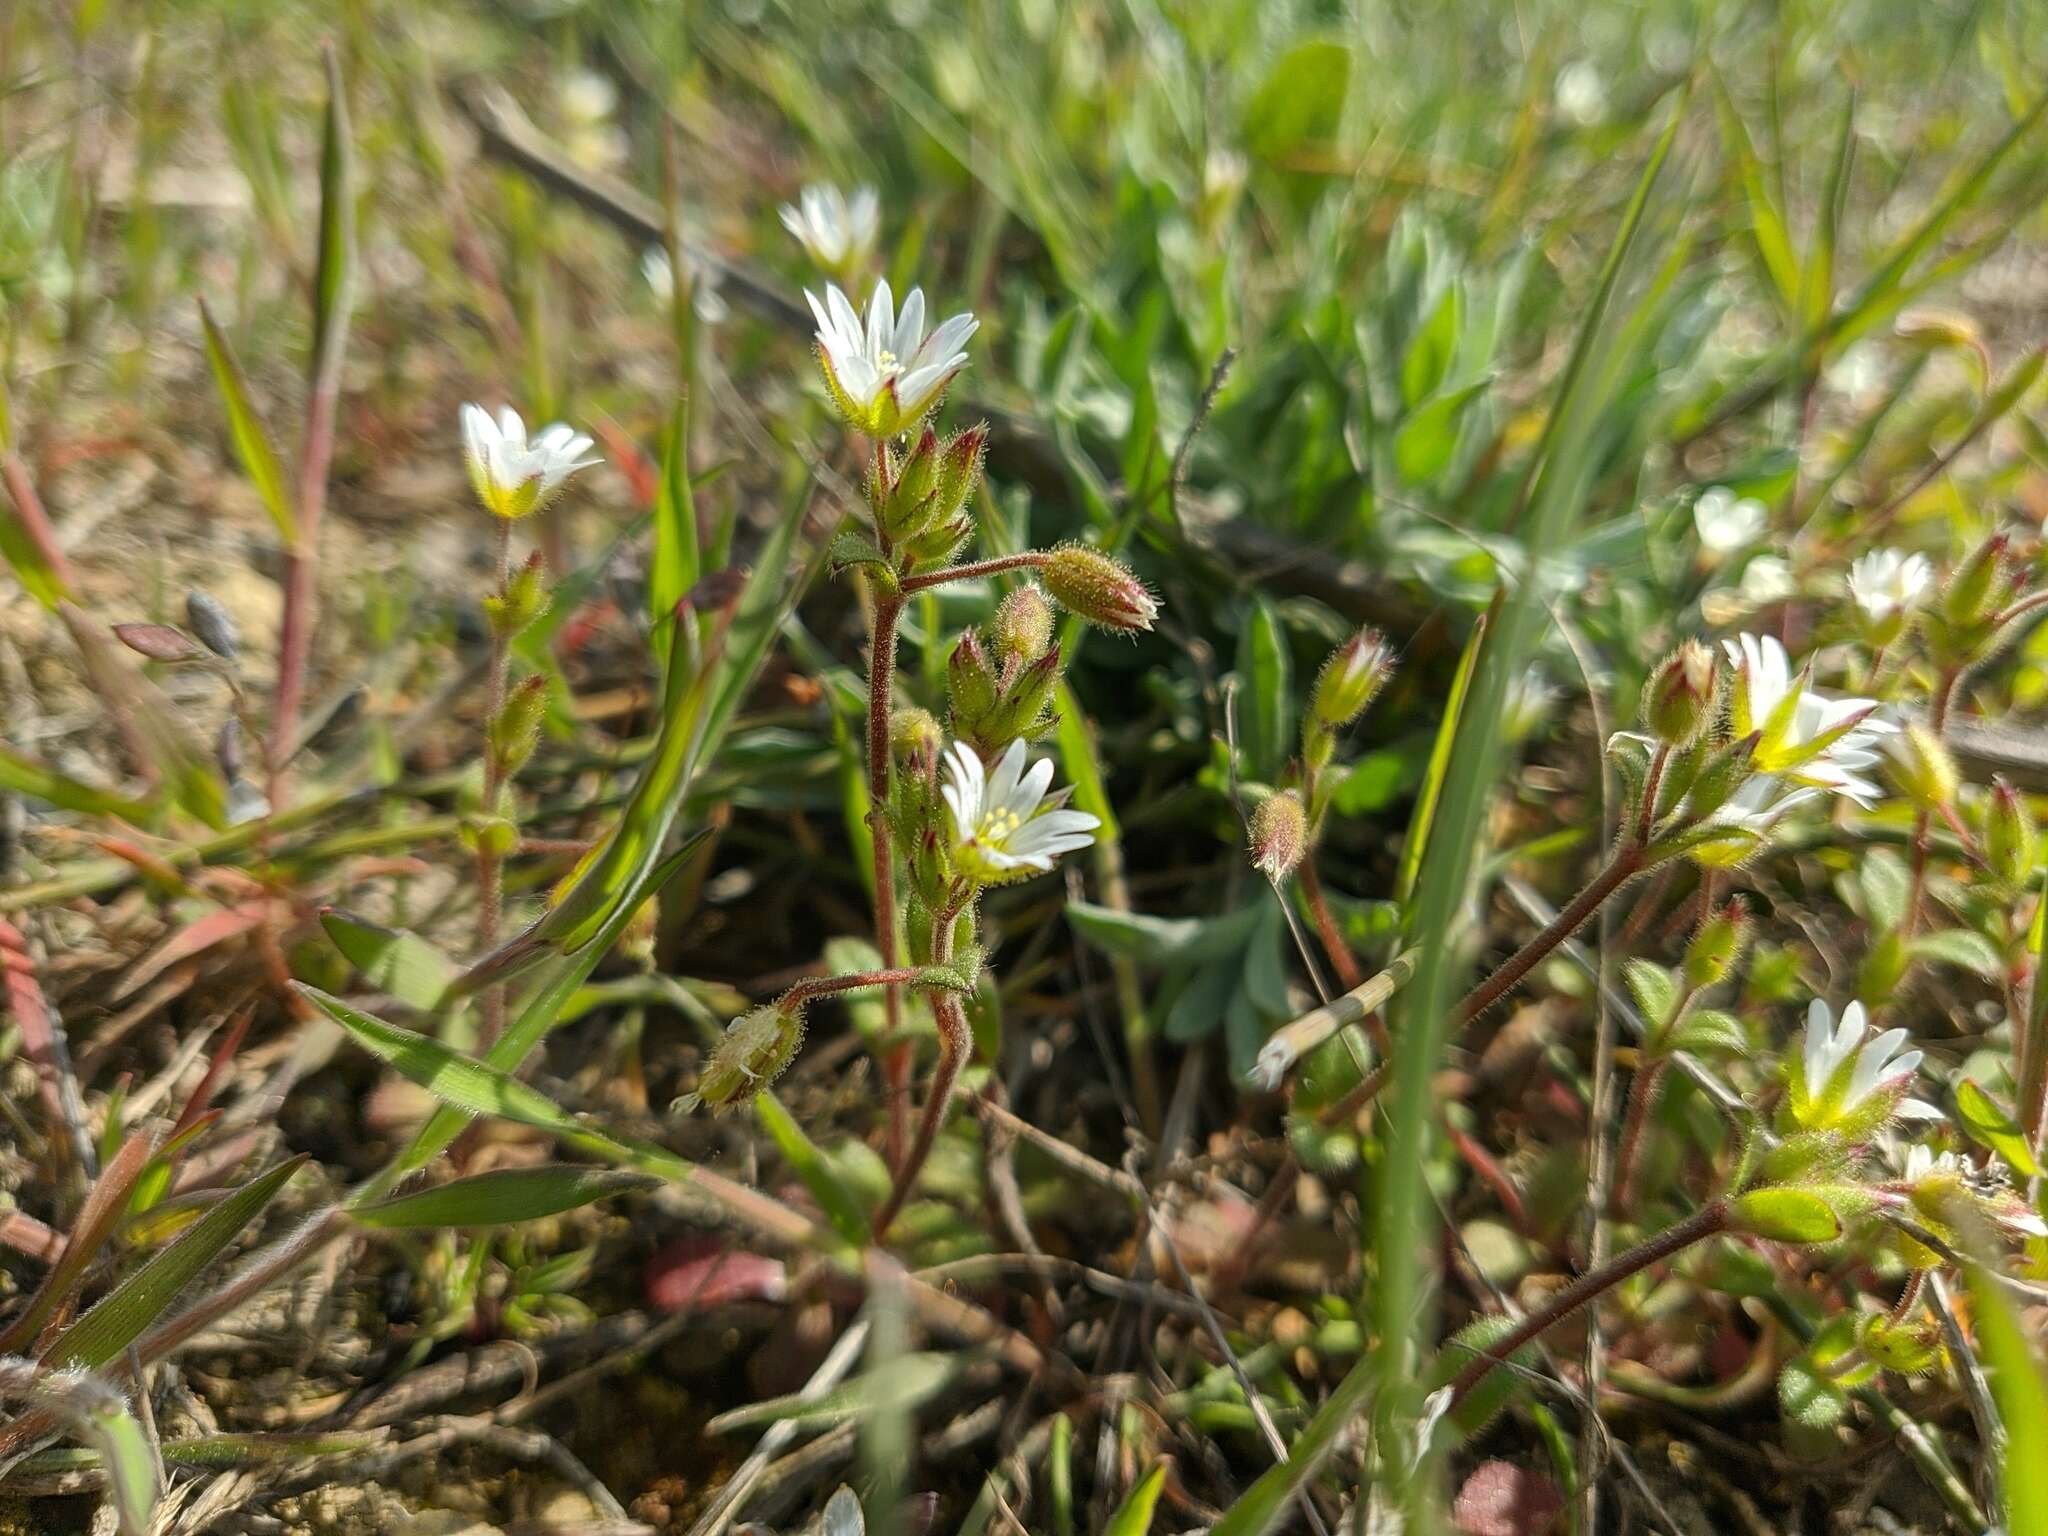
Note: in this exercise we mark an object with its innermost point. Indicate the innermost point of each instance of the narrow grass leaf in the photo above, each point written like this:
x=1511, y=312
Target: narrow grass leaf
x=121, y=1316
x=2021, y=1390
x=22, y=775
x=501, y=1197
x=392, y=960
x=103, y=1209
x=253, y=446
x=1133, y=1517
x=676, y=562
x=839, y=1203
x=896, y=1386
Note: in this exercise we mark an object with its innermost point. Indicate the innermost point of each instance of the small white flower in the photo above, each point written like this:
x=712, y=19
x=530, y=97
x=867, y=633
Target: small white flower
x=1839, y=1071
x=512, y=476
x=588, y=97
x=1884, y=584
x=1002, y=829
x=1581, y=93
x=1765, y=580
x=885, y=372
x=1727, y=524
x=706, y=302
x=836, y=229
x=1807, y=737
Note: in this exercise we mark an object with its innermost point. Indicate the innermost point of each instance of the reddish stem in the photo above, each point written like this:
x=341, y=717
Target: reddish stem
x=1626, y=862
x=956, y=1041
x=1642, y=1098
x=1349, y=974
x=35, y=522
x=1937, y=721
x=1703, y=1223
x=1031, y=557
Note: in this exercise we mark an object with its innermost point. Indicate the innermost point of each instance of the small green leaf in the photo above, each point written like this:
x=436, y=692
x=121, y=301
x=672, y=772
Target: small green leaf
x=119, y=1317
x=1710, y=1032
x=840, y=1205
x=1133, y=1517
x=391, y=959
x=1961, y=948
x=1988, y=1123
x=501, y=1197
x=1134, y=935
x=1428, y=359
x=1785, y=1214
x=1426, y=441
x=895, y=1386
x=1266, y=721
x=1886, y=886
x=251, y=438
x=1812, y=1406
x=1654, y=988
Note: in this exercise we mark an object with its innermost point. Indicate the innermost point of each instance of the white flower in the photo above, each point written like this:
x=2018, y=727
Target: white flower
x=885, y=373
x=706, y=302
x=836, y=229
x=1765, y=580
x=512, y=476
x=1839, y=1072
x=1726, y=524
x=1002, y=829
x=1931, y=1179
x=1581, y=94
x=1805, y=736
x=1884, y=584
x=588, y=97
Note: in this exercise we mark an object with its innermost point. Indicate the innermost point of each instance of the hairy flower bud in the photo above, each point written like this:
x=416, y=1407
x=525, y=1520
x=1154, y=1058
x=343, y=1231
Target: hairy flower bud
x=915, y=740
x=1679, y=697
x=1981, y=585
x=524, y=598
x=756, y=1048
x=1717, y=946
x=1279, y=835
x=1352, y=678
x=903, y=502
x=1023, y=624
x=1099, y=589
x=1021, y=711
x=1920, y=767
x=2010, y=839
x=516, y=731
x=970, y=683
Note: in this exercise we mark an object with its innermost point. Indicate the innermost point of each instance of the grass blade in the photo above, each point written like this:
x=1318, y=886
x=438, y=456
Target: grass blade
x=124, y=1312
x=838, y=1202
x=500, y=1198
x=103, y=1209
x=677, y=562
x=252, y=440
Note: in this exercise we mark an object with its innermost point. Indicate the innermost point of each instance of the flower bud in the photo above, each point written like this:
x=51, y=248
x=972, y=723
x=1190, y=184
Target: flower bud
x=1099, y=589
x=1981, y=585
x=915, y=739
x=1920, y=767
x=959, y=469
x=2010, y=840
x=970, y=683
x=1021, y=711
x=523, y=599
x=1726, y=770
x=212, y=623
x=905, y=510
x=1352, y=678
x=1938, y=328
x=1279, y=835
x=1023, y=624
x=755, y=1049
x=1908, y=1346
x=516, y=731
x=1717, y=947
x=1679, y=697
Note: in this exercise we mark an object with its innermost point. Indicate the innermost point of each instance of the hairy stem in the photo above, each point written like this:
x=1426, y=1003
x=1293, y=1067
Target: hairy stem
x=956, y=1043
x=1031, y=557
x=490, y=872
x=1642, y=1098
x=881, y=686
x=825, y=986
x=1703, y=1223
x=1627, y=862
x=1348, y=970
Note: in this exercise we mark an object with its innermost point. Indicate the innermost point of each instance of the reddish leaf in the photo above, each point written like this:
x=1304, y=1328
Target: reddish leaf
x=1502, y=1499
x=643, y=475
x=698, y=1273
x=159, y=642
x=194, y=938
x=24, y=1000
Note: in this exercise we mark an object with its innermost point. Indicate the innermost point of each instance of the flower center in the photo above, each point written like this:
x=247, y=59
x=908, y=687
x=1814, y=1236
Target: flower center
x=885, y=359
x=994, y=830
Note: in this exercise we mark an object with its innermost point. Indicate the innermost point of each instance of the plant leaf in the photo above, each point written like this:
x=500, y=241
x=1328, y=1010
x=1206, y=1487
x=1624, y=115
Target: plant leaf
x=894, y=1386
x=251, y=437
x=1133, y=1517
x=119, y=1317
x=840, y=1205
x=501, y=1197
x=391, y=959
x=1987, y=1122
x=1786, y=1215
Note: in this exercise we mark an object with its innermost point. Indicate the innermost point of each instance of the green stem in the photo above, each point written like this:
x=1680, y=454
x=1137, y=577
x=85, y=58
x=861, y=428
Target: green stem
x=490, y=873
